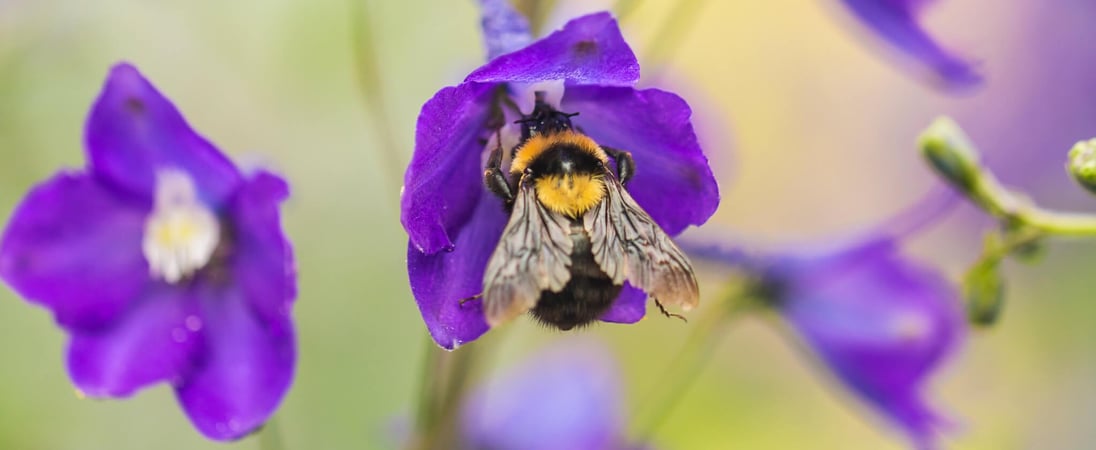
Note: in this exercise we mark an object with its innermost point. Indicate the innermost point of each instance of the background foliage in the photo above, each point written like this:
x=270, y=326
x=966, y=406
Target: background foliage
x=811, y=130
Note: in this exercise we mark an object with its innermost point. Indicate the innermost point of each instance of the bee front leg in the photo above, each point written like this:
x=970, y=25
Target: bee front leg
x=493, y=176
x=625, y=165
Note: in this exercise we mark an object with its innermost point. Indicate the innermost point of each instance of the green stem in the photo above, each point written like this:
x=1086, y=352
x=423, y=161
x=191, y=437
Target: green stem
x=367, y=63
x=999, y=201
x=624, y=8
x=1059, y=223
x=957, y=161
x=686, y=367
x=271, y=436
x=536, y=11
x=442, y=385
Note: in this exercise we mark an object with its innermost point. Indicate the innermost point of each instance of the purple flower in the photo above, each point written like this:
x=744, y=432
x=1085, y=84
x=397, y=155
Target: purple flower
x=566, y=397
x=163, y=262
x=454, y=223
x=895, y=21
x=882, y=323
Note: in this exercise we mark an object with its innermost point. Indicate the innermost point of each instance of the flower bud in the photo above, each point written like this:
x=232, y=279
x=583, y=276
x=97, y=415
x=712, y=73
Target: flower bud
x=984, y=292
x=952, y=156
x=1082, y=164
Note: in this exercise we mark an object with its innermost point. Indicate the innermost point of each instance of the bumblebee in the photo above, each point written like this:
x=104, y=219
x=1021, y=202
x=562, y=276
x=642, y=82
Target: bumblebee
x=574, y=235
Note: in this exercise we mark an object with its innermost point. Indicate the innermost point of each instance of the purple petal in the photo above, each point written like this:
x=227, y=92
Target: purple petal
x=156, y=340
x=74, y=246
x=629, y=307
x=673, y=182
x=263, y=264
x=444, y=179
x=504, y=29
x=896, y=22
x=588, y=50
x=883, y=325
x=133, y=131
x=567, y=397
x=247, y=369
x=439, y=281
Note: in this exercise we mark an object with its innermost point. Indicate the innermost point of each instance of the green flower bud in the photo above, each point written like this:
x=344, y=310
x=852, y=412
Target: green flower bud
x=949, y=151
x=984, y=292
x=1082, y=164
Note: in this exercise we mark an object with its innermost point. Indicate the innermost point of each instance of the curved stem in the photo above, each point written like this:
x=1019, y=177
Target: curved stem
x=957, y=161
x=686, y=367
x=1059, y=223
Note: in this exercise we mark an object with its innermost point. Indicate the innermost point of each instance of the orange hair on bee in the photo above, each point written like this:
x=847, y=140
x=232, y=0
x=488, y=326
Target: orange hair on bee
x=537, y=145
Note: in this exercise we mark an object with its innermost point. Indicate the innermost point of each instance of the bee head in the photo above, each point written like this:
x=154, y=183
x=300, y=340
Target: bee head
x=544, y=119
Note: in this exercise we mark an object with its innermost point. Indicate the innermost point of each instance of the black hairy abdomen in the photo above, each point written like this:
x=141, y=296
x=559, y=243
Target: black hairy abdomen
x=586, y=297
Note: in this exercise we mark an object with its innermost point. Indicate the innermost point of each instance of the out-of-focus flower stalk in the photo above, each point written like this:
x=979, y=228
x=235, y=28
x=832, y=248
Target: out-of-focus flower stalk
x=536, y=11
x=670, y=33
x=442, y=384
x=270, y=438
x=1023, y=223
x=367, y=66
x=624, y=8
x=686, y=367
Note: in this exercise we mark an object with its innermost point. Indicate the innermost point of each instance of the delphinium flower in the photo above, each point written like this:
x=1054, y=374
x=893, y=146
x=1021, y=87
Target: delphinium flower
x=163, y=262
x=896, y=22
x=567, y=396
x=454, y=223
x=880, y=322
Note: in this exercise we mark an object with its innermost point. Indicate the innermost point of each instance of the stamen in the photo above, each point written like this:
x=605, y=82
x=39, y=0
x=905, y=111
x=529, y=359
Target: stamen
x=553, y=93
x=181, y=233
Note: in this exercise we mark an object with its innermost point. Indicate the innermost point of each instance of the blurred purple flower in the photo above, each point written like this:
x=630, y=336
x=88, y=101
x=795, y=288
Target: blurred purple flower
x=454, y=223
x=565, y=397
x=896, y=22
x=880, y=322
x=163, y=262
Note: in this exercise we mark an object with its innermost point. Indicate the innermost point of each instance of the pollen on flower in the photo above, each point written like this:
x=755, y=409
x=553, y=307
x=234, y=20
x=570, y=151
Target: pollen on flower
x=181, y=234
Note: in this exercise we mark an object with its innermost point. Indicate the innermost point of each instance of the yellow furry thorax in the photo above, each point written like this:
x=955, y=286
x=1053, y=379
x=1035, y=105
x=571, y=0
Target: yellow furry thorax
x=572, y=194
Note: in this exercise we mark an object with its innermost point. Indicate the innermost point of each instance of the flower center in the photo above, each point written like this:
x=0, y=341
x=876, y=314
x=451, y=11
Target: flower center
x=910, y=327
x=181, y=234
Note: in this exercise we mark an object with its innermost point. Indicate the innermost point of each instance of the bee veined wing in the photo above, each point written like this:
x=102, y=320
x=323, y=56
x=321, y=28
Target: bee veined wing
x=630, y=246
x=533, y=255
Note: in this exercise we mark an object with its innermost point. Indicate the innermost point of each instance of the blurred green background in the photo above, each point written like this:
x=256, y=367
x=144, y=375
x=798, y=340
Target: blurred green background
x=810, y=127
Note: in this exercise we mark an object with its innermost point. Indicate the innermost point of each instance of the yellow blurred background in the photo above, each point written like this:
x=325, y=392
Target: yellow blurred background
x=809, y=122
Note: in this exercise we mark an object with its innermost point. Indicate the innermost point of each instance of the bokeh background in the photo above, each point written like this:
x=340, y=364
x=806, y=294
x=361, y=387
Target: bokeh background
x=810, y=124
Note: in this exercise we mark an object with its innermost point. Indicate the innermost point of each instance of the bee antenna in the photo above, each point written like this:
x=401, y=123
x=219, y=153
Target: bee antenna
x=570, y=115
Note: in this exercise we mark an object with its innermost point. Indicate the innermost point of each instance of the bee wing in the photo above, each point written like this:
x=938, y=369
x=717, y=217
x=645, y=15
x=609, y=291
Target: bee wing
x=533, y=255
x=630, y=246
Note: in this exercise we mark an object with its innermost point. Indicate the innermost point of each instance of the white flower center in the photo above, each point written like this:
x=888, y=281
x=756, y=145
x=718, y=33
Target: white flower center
x=181, y=233
x=910, y=327
x=553, y=93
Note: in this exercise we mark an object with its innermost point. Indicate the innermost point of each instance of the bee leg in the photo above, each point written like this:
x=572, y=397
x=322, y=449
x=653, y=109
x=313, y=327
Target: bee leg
x=472, y=298
x=494, y=177
x=669, y=314
x=625, y=165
